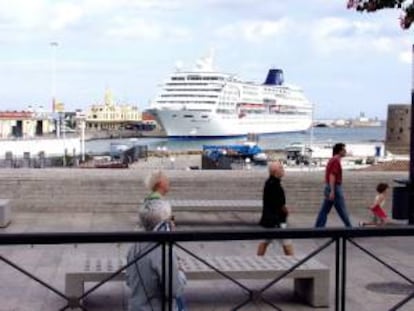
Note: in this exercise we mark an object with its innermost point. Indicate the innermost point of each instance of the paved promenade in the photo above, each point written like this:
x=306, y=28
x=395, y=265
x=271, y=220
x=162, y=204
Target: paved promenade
x=369, y=285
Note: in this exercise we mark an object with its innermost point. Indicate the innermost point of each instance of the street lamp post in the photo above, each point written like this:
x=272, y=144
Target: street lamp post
x=409, y=184
x=83, y=125
x=54, y=46
x=411, y=176
x=164, y=153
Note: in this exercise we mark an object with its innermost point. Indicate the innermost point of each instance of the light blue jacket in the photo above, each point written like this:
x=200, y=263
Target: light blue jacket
x=145, y=276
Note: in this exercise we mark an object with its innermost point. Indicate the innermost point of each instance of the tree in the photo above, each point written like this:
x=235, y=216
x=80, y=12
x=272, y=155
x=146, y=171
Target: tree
x=406, y=6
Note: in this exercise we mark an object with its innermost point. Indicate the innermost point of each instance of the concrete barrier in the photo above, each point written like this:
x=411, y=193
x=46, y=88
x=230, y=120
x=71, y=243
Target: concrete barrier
x=103, y=190
x=5, y=213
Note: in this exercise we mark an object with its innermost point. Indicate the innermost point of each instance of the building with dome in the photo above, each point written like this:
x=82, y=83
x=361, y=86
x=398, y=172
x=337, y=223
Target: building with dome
x=111, y=116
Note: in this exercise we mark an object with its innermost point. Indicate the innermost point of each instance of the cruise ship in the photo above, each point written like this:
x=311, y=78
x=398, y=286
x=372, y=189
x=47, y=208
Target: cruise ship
x=206, y=103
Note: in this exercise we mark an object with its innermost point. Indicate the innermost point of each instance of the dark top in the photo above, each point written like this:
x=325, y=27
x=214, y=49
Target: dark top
x=334, y=167
x=273, y=202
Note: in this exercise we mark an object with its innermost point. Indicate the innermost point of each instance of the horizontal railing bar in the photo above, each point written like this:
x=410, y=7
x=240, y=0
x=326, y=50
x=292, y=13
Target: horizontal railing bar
x=200, y=235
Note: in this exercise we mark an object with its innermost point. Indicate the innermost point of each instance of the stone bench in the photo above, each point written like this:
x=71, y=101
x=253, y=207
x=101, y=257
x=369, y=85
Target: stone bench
x=311, y=279
x=5, y=213
x=216, y=205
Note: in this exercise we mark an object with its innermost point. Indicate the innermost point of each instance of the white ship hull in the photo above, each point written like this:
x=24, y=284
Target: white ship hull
x=187, y=123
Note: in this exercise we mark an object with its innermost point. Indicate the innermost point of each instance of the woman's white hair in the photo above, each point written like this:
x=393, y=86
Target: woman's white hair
x=154, y=211
x=153, y=179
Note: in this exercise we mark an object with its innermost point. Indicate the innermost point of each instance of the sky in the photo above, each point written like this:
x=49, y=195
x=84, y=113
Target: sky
x=345, y=61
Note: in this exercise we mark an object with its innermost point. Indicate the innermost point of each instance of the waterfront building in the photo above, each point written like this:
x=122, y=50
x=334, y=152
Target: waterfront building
x=363, y=121
x=25, y=124
x=111, y=116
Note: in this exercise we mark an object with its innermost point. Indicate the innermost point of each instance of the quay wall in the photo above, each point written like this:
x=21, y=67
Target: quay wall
x=50, y=146
x=119, y=190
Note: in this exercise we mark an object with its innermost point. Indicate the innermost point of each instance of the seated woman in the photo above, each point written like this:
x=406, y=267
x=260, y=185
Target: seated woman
x=144, y=276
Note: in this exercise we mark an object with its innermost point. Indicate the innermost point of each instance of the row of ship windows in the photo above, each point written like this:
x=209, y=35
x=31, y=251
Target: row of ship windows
x=281, y=94
x=193, y=84
x=251, y=93
x=281, y=91
x=282, y=109
x=188, y=95
x=260, y=112
x=232, y=91
x=192, y=90
x=229, y=99
x=116, y=116
x=247, y=89
x=226, y=94
x=196, y=78
x=254, y=89
x=232, y=111
x=227, y=103
x=190, y=116
x=185, y=102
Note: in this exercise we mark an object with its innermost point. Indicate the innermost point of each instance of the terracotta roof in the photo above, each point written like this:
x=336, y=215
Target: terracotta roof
x=15, y=115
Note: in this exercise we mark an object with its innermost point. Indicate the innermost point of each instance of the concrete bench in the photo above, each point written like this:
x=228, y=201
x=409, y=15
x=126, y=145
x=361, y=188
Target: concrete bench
x=216, y=205
x=5, y=213
x=311, y=279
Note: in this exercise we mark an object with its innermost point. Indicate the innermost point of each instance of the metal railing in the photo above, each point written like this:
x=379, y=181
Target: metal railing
x=168, y=240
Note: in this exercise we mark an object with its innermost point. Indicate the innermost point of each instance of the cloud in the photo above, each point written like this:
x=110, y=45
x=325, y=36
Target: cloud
x=68, y=66
x=58, y=15
x=405, y=57
x=332, y=35
x=38, y=15
x=20, y=14
x=384, y=44
x=127, y=28
x=254, y=30
x=110, y=6
x=65, y=14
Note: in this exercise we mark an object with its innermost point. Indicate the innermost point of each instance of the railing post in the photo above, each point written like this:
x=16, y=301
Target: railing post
x=343, y=291
x=337, y=272
x=340, y=273
x=170, y=276
x=411, y=172
x=164, y=276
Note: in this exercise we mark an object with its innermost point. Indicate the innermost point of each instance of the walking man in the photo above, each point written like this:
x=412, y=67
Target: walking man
x=333, y=194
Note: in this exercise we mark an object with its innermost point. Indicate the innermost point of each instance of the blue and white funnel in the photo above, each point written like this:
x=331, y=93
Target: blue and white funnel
x=274, y=77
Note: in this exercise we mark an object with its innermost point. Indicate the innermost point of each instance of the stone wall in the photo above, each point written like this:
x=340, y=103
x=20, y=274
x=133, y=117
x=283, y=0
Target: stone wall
x=398, y=133
x=105, y=190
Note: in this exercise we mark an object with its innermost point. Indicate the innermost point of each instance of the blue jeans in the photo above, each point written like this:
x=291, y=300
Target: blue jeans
x=338, y=202
x=180, y=303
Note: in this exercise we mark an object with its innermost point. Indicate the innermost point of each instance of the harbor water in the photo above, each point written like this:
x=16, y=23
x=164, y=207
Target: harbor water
x=369, y=135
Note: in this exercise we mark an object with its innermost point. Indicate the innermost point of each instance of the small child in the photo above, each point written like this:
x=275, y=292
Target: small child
x=379, y=216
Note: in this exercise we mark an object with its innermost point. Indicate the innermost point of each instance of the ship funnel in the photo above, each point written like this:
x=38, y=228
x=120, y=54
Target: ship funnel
x=274, y=77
